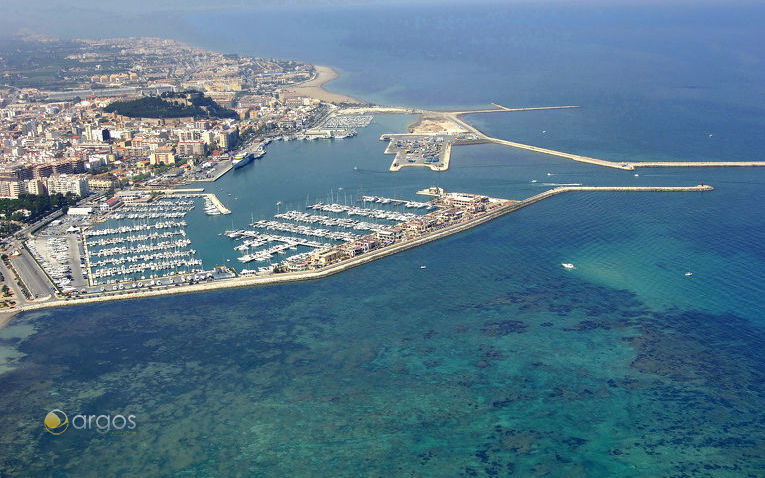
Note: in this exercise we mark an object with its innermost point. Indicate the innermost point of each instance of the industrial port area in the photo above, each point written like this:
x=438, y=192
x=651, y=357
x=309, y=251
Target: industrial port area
x=431, y=150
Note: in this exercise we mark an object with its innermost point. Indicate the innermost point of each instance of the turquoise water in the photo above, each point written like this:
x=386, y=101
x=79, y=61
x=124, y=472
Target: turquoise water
x=494, y=360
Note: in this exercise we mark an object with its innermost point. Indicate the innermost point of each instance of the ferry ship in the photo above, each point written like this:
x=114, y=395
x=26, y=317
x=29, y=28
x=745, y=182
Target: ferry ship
x=245, y=157
x=241, y=159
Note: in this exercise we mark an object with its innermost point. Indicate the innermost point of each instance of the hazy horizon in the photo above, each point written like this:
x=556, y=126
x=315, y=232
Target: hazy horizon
x=91, y=18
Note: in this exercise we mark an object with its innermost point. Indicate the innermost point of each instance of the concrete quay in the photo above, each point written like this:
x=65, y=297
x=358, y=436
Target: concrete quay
x=696, y=164
x=563, y=189
x=397, y=164
x=575, y=157
x=212, y=197
x=501, y=109
x=226, y=167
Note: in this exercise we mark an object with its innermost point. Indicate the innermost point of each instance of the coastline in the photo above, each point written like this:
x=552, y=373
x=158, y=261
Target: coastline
x=238, y=282
x=314, y=88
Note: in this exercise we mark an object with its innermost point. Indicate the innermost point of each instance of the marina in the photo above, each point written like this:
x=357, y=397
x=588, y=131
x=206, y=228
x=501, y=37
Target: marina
x=138, y=242
x=366, y=212
x=384, y=200
x=302, y=239
x=347, y=121
x=143, y=241
x=347, y=223
x=213, y=206
x=304, y=230
x=157, y=259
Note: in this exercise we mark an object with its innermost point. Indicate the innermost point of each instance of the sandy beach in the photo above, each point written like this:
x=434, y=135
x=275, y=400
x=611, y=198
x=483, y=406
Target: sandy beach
x=314, y=88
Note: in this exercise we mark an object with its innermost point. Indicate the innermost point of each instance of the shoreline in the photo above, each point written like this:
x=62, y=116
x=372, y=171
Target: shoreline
x=288, y=277
x=314, y=88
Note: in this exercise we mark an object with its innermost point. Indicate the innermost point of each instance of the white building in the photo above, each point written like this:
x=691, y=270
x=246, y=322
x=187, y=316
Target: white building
x=68, y=184
x=80, y=211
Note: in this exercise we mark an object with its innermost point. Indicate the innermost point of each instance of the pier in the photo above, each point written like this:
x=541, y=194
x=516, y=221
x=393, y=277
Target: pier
x=480, y=137
x=630, y=165
x=560, y=154
x=696, y=164
x=224, y=167
x=625, y=165
x=443, y=165
x=208, y=196
x=563, y=189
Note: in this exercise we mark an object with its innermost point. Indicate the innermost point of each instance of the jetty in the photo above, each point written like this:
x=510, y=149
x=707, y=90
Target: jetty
x=696, y=164
x=220, y=170
x=456, y=121
x=629, y=165
x=564, y=189
x=212, y=198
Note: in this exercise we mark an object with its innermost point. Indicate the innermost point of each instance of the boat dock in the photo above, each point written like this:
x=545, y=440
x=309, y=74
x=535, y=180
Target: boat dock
x=212, y=198
x=221, y=168
x=384, y=200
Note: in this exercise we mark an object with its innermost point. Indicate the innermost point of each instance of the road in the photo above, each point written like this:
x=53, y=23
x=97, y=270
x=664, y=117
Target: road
x=33, y=277
x=78, y=281
x=10, y=280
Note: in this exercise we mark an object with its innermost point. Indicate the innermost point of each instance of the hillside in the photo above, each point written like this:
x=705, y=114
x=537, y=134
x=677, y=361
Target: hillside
x=171, y=105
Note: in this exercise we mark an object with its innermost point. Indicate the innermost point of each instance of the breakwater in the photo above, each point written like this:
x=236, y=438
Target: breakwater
x=630, y=165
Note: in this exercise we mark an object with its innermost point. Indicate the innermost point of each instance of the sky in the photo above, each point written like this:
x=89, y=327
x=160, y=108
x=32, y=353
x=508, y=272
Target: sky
x=87, y=18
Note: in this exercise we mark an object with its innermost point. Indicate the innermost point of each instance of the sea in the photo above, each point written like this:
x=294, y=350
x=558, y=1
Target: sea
x=493, y=360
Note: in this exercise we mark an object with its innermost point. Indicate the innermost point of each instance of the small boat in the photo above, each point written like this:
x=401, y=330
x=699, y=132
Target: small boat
x=636, y=175
x=688, y=274
x=567, y=265
x=423, y=267
x=533, y=180
x=549, y=174
x=355, y=168
x=544, y=131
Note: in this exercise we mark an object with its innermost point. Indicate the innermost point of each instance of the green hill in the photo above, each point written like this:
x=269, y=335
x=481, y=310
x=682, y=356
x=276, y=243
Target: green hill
x=171, y=105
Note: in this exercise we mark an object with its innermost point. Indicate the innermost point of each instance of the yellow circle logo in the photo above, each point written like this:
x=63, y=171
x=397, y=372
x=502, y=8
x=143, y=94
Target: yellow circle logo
x=56, y=422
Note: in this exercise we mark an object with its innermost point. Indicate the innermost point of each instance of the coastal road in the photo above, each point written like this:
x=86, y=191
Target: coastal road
x=10, y=280
x=32, y=276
